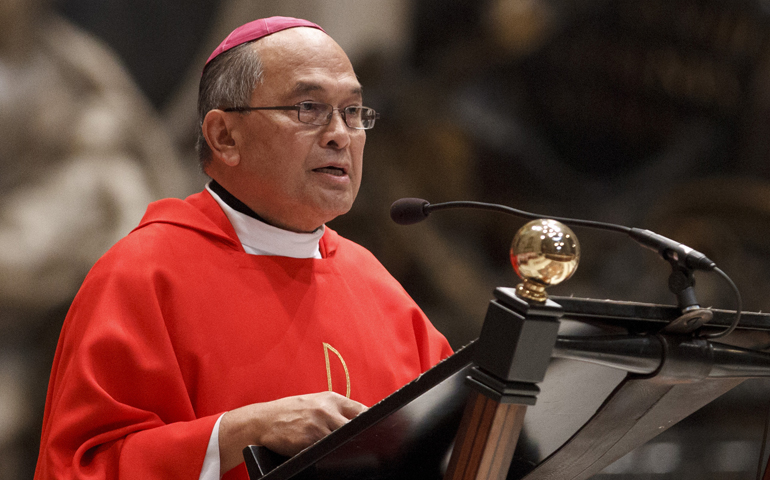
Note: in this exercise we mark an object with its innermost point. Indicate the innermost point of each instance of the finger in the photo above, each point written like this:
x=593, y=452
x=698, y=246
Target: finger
x=351, y=409
x=336, y=420
x=345, y=406
x=341, y=412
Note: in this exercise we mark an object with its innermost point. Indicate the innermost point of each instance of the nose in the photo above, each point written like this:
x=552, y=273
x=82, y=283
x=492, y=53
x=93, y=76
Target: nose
x=337, y=133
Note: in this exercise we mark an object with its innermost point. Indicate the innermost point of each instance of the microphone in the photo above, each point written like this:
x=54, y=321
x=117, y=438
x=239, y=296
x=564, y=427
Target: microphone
x=408, y=211
x=672, y=250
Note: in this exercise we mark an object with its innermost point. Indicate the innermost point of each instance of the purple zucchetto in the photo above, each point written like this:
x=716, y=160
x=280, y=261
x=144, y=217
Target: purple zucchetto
x=258, y=29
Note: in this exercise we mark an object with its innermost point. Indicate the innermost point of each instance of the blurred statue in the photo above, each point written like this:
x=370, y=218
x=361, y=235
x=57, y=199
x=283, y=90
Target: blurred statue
x=81, y=155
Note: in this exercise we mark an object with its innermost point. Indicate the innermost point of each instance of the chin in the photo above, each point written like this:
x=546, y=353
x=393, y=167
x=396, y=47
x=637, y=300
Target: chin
x=337, y=206
x=331, y=214
x=326, y=208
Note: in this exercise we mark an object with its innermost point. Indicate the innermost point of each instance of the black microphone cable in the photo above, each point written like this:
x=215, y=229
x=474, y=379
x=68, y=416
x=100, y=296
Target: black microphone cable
x=738, y=308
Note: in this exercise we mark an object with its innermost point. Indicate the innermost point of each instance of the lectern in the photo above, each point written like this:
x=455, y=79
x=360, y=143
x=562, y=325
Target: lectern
x=464, y=418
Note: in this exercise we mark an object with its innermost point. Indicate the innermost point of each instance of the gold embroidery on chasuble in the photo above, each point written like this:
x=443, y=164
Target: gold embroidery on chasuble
x=327, y=349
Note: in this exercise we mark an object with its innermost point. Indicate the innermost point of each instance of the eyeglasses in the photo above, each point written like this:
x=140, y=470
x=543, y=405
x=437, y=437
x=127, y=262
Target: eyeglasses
x=313, y=113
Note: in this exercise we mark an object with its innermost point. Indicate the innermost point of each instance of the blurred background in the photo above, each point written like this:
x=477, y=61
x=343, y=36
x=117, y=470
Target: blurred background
x=648, y=113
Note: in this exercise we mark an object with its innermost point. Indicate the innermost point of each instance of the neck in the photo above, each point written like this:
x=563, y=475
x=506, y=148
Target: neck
x=234, y=203
x=241, y=207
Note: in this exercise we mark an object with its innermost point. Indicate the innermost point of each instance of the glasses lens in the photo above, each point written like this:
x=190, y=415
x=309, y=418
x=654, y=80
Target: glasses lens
x=361, y=118
x=314, y=113
x=368, y=116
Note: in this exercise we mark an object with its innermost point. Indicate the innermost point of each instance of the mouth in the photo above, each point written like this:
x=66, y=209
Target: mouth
x=331, y=170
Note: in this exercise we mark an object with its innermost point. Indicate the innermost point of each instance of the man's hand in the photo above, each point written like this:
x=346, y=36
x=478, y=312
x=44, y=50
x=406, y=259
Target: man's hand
x=285, y=426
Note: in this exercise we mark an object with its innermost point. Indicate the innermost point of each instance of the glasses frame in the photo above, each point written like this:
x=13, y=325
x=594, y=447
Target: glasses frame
x=298, y=106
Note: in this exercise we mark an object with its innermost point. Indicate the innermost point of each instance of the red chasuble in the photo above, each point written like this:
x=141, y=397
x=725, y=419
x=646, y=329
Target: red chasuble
x=176, y=324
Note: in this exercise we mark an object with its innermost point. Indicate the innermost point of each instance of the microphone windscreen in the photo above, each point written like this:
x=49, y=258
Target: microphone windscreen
x=407, y=211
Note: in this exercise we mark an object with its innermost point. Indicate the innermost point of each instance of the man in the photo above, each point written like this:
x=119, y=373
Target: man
x=232, y=317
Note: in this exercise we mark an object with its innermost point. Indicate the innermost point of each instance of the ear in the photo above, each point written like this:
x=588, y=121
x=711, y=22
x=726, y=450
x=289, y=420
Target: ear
x=217, y=129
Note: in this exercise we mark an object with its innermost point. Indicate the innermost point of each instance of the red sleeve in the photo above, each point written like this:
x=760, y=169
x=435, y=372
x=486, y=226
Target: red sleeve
x=117, y=405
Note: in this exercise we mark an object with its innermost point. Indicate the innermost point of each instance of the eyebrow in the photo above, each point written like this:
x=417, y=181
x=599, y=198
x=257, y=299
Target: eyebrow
x=302, y=88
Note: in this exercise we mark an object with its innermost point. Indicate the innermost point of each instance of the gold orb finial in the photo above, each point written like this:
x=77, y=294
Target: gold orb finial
x=543, y=253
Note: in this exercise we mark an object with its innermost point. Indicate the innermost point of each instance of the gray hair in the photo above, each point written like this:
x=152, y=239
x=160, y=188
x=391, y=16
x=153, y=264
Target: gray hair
x=227, y=81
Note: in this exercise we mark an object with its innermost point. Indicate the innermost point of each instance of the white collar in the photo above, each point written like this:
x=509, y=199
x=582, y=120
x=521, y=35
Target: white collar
x=259, y=238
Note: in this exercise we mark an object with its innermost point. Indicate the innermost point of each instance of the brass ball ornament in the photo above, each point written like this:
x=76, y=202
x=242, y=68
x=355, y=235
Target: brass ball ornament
x=543, y=253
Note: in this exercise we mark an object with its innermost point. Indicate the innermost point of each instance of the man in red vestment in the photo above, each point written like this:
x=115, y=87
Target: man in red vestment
x=236, y=317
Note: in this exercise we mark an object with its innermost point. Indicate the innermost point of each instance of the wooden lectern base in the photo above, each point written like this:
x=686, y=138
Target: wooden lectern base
x=486, y=439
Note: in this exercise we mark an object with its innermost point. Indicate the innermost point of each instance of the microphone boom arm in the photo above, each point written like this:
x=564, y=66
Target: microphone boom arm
x=683, y=259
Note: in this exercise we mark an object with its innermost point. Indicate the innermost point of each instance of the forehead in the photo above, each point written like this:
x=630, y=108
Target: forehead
x=301, y=61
